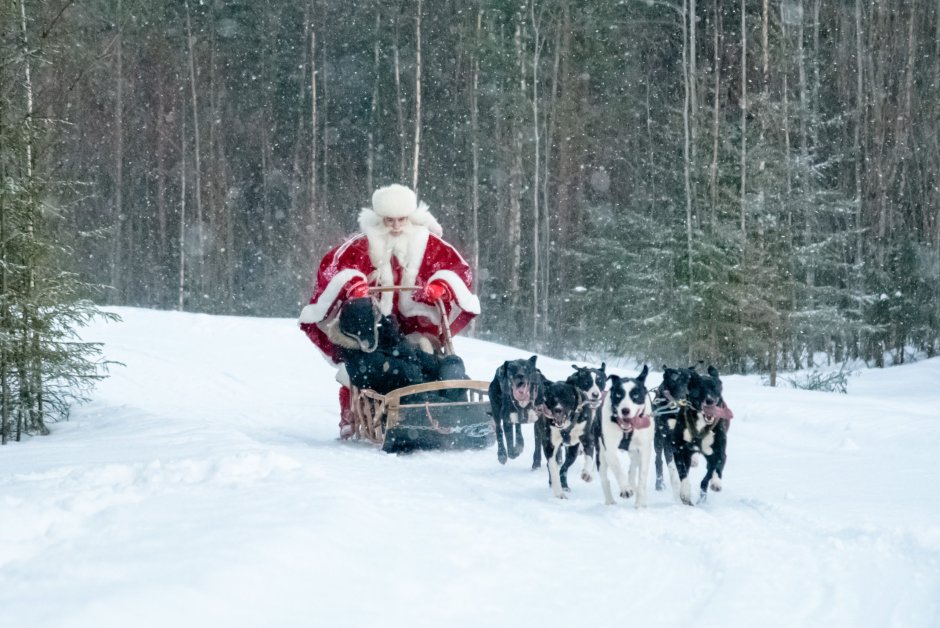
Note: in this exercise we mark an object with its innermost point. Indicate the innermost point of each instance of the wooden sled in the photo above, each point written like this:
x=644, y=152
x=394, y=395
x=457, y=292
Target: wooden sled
x=400, y=422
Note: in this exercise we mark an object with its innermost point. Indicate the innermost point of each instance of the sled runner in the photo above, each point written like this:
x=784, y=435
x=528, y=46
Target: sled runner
x=425, y=416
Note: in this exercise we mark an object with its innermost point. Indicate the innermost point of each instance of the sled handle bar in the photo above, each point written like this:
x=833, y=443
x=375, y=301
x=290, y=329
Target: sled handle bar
x=446, y=337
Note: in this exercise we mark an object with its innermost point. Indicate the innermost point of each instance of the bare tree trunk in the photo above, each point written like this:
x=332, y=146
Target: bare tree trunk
x=299, y=184
x=475, y=151
x=693, y=78
x=716, y=117
x=537, y=48
x=686, y=158
x=374, y=108
x=312, y=193
x=197, y=192
x=182, y=243
x=808, y=217
x=399, y=106
x=856, y=144
x=515, y=185
x=117, y=251
x=549, y=142
x=31, y=383
x=744, y=121
x=417, y=151
x=325, y=184
x=161, y=168
x=5, y=323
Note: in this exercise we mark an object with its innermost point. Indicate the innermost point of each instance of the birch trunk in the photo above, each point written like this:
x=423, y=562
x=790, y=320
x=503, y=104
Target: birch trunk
x=312, y=192
x=549, y=141
x=693, y=77
x=716, y=117
x=515, y=186
x=117, y=251
x=417, y=147
x=686, y=158
x=744, y=121
x=475, y=152
x=197, y=169
x=537, y=156
x=399, y=106
x=374, y=108
x=181, y=295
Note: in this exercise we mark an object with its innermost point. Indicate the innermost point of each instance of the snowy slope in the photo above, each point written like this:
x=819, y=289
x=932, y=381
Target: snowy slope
x=204, y=486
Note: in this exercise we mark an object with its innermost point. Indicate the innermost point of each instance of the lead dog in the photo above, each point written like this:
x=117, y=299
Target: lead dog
x=562, y=426
x=671, y=396
x=701, y=426
x=625, y=422
x=590, y=384
x=515, y=394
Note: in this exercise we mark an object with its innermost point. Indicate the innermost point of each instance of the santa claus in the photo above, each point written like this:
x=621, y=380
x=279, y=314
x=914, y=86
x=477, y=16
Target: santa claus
x=400, y=245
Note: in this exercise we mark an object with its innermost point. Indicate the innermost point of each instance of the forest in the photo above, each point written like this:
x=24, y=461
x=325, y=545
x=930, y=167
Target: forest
x=753, y=183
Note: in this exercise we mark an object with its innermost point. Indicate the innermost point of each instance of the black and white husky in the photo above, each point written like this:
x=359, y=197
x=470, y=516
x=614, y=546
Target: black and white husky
x=562, y=427
x=700, y=427
x=590, y=384
x=626, y=418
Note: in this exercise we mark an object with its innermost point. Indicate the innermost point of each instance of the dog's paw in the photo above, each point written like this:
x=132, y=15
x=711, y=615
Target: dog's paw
x=626, y=493
x=561, y=495
x=501, y=456
x=514, y=453
x=703, y=497
x=610, y=502
x=660, y=485
x=685, y=493
x=715, y=485
x=587, y=477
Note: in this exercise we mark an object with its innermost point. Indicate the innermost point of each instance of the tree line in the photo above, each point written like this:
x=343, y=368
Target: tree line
x=750, y=182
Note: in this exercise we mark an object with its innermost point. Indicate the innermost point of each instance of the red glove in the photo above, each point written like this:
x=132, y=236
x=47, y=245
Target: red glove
x=434, y=292
x=357, y=288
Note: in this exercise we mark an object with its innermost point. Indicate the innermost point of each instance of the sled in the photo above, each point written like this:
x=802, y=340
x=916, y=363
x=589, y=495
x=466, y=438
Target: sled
x=414, y=418
x=399, y=424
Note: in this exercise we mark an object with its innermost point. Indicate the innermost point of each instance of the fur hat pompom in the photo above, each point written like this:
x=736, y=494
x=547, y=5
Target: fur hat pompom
x=394, y=201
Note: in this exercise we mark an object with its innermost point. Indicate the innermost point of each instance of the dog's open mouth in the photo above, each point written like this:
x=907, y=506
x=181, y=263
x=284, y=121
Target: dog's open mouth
x=560, y=419
x=522, y=394
x=714, y=411
x=638, y=422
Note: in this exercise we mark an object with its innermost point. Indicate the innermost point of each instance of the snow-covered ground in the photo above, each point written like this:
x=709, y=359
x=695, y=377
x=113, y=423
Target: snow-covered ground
x=204, y=486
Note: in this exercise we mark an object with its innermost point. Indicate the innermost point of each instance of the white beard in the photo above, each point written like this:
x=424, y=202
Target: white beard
x=408, y=248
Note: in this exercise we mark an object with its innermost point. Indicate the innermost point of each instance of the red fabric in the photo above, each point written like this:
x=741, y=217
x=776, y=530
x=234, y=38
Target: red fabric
x=434, y=292
x=354, y=254
x=357, y=288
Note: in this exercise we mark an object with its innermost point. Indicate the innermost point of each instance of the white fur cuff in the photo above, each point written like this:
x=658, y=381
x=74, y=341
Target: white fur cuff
x=317, y=311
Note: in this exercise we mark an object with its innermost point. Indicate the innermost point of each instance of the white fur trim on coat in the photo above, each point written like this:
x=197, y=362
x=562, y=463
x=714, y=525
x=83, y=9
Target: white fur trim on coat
x=466, y=300
x=316, y=312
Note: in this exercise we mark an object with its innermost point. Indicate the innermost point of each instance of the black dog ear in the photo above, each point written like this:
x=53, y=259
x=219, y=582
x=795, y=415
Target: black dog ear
x=576, y=367
x=712, y=371
x=603, y=366
x=532, y=359
x=642, y=376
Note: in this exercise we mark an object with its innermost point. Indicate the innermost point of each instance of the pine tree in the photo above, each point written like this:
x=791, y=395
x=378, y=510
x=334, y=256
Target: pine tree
x=44, y=367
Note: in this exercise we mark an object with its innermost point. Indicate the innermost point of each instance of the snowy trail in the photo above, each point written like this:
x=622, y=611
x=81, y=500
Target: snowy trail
x=203, y=485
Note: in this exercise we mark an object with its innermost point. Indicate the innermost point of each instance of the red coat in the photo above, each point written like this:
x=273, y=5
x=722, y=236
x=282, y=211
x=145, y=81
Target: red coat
x=355, y=258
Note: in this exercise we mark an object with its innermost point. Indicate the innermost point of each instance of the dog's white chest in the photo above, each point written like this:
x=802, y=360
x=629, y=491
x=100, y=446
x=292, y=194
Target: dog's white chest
x=707, y=442
x=529, y=416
